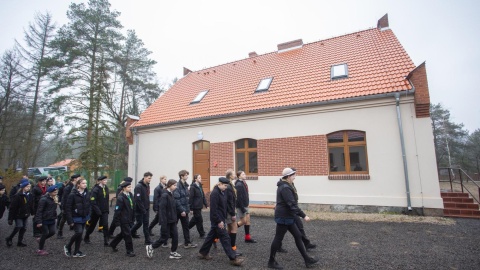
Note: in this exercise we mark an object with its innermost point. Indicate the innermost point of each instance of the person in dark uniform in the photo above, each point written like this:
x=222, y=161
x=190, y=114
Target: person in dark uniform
x=243, y=200
x=99, y=200
x=181, y=195
x=4, y=201
x=45, y=217
x=197, y=201
x=142, y=206
x=20, y=209
x=77, y=210
x=124, y=216
x=218, y=229
x=38, y=191
x=66, y=192
x=168, y=216
x=114, y=223
x=157, y=193
x=285, y=211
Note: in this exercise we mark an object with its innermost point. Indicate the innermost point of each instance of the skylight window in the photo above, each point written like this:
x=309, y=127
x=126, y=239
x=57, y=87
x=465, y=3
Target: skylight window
x=339, y=71
x=199, y=97
x=264, y=84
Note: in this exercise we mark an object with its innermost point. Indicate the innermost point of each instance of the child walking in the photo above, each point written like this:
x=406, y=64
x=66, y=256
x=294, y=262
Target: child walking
x=78, y=212
x=124, y=216
x=20, y=209
x=46, y=216
x=197, y=201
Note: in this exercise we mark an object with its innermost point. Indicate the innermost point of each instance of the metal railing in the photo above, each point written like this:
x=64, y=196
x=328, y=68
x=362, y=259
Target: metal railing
x=453, y=174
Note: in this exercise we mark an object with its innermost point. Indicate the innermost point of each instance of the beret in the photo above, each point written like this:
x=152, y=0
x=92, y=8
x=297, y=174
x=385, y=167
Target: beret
x=100, y=178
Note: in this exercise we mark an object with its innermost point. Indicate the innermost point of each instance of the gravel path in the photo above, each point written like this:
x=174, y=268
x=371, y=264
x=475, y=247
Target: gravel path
x=342, y=244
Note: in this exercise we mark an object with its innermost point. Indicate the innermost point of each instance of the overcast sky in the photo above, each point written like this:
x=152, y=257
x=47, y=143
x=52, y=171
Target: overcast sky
x=198, y=34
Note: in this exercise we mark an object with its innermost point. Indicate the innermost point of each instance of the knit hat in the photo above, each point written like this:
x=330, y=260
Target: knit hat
x=52, y=188
x=128, y=179
x=100, y=178
x=24, y=184
x=288, y=172
x=125, y=184
x=223, y=180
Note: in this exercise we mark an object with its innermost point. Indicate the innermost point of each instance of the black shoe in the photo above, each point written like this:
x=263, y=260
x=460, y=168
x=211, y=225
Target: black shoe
x=311, y=262
x=114, y=249
x=130, y=254
x=310, y=247
x=87, y=240
x=251, y=241
x=274, y=265
x=60, y=235
x=282, y=250
x=148, y=242
x=21, y=244
x=9, y=242
x=135, y=235
x=237, y=253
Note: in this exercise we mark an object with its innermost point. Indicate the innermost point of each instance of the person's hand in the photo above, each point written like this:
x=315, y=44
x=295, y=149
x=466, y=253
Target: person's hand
x=39, y=225
x=183, y=214
x=10, y=222
x=221, y=225
x=306, y=218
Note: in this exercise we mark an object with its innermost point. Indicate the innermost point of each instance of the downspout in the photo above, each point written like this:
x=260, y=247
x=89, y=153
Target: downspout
x=405, y=168
x=135, y=134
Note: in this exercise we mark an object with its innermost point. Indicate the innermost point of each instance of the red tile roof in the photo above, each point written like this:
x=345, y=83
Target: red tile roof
x=65, y=162
x=377, y=64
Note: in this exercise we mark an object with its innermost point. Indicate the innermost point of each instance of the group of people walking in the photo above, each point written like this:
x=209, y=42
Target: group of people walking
x=173, y=202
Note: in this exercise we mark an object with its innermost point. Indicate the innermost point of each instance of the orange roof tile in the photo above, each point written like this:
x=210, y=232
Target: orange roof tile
x=65, y=162
x=377, y=64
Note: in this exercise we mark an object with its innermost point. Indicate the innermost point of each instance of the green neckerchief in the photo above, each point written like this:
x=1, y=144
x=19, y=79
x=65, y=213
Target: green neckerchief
x=130, y=199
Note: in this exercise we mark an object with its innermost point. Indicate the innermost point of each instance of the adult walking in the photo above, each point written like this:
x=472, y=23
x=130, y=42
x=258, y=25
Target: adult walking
x=142, y=207
x=181, y=195
x=243, y=201
x=124, y=217
x=197, y=201
x=66, y=192
x=46, y=216
x=100, y=209
x=285, y=211
x=218, y=217
x=157, y=193
x=77, y=210
x=20, y=209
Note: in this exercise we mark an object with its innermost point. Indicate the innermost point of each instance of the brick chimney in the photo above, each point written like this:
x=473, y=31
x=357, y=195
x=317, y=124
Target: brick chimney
x=291, y=45
x=252, y=54
x=131, y=119
x=382, y=24
x=186, y=71
x=418, y=77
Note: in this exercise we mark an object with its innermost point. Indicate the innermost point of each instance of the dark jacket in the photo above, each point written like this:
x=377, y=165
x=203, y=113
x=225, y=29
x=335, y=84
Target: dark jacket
x=218, y=206
x=77, y=208
x=38, y=192
x=142, y=197
x=157, y=193
x=47, y=209
x=99, y=200
x=287, y=206
x=181, y=197
x=243, y=199
x=4, y=203
x=21, y=207
x=124, y=209
x=231, y=199
x=197, y=198
x=14, y=190
x=168, y=208
x=61, y=188
x=66, y=191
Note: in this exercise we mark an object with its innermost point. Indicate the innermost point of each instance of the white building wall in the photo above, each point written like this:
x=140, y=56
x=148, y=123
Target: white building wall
x=167, y=150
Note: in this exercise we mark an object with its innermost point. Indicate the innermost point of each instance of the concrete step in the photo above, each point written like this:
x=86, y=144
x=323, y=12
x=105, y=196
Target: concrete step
x=468, y=213
x=453, y=194
x=460, y=205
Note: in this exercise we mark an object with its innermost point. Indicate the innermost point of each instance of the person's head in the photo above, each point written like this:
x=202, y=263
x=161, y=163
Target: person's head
x=74, y=178
x=241, y=175
x=49, y=181
x=126, y=186
x=183, y=174
x=223, y=183
x=2, y=189
x=1, y=179
x=288, y=174
x=25, y=177
x=163, y=180
x=52, y=191
x=127, y=179
x=147, y=177
x=42, y=181
x=172, y=185
x=197, y=178
x=81, y=184
x=25, y=186
x=230, y=174
x=102, y=180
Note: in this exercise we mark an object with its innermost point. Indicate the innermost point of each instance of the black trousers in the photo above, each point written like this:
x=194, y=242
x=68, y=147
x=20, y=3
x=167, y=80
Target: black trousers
x=197, y=220
x=280, y=232
x=77, y=237
x=47, y=232
x=155, y=221
x=185, y=230
x=168, y=230
x=103, y=222
x=142, y=219
x=222, y=234
x=123, y=235
x=299, y=223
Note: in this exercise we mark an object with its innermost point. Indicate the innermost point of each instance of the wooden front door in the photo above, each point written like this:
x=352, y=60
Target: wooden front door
x=201, y=162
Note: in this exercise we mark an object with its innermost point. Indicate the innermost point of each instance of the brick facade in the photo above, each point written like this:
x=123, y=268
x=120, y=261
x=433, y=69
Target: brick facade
x=221, y=158
x=418, y=77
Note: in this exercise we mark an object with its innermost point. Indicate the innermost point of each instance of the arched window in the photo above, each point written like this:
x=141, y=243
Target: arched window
x=347, y=152
x=246, y=156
